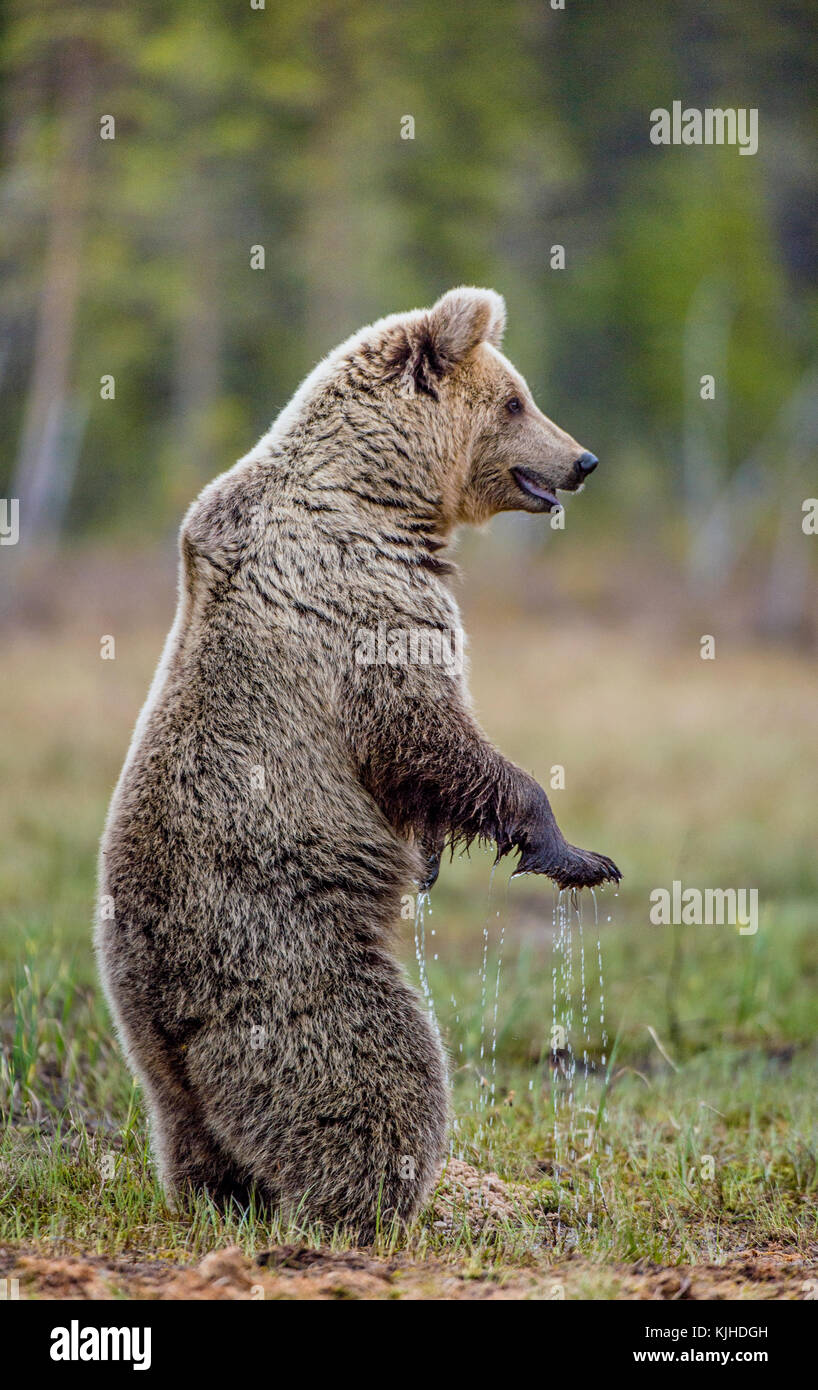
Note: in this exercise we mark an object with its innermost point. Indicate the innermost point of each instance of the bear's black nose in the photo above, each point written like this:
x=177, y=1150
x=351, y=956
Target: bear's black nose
x=586, y=463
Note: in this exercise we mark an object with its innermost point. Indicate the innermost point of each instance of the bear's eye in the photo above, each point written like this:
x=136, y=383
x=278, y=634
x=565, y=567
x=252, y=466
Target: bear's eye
x=514, y=406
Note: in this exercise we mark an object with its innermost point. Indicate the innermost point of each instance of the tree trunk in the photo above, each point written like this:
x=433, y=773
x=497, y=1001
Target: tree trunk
x=45, y=459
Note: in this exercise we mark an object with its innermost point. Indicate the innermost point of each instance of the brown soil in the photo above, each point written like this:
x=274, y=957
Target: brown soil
x=294, y=1272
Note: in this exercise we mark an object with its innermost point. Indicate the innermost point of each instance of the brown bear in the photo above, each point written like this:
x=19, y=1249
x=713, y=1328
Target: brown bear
x=284, y=786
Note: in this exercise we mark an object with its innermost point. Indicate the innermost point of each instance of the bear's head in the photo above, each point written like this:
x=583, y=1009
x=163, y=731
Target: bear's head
x=495, y=450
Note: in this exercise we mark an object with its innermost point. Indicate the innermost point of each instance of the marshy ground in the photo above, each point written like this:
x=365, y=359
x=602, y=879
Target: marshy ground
x=683, y=1166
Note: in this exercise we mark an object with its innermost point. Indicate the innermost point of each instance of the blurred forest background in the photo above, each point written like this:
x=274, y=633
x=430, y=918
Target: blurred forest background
x=137, y=258
x=238, y=128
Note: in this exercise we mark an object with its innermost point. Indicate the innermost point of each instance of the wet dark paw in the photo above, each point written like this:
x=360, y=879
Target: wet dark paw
x=582, y=868
x=430, y=871
x=570, y=867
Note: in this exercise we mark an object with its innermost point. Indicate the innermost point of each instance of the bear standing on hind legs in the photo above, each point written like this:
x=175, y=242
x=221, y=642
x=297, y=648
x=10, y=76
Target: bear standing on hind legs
x=282, y=791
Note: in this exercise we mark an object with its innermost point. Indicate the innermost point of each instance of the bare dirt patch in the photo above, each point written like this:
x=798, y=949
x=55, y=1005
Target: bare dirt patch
x=293, y=1272
x=482, y=1200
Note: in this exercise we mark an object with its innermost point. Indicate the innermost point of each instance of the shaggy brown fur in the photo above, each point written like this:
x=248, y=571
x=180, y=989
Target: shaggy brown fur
x=280, y=793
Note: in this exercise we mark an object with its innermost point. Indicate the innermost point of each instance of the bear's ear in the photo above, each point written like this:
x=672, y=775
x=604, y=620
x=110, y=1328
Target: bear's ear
x=463, y=318
x=431, y=344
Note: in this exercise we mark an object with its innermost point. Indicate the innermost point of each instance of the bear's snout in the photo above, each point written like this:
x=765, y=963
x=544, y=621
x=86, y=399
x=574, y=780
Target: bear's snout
x=585, y=464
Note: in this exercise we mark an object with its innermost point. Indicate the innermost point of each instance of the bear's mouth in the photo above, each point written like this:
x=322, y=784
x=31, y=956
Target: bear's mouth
x=531, y=485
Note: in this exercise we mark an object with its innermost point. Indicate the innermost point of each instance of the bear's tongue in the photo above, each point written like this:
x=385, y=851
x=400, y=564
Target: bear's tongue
x=533, y=488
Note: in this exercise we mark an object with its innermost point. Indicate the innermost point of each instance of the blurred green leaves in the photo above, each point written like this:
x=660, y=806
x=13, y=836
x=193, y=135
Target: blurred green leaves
x=281, y=127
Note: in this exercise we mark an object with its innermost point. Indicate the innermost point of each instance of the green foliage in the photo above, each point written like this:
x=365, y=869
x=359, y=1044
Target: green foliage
x=237, y=127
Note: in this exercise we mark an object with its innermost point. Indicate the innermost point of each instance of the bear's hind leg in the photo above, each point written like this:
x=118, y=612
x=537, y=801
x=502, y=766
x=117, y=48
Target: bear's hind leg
x=349, y=1136
x=189, y=1156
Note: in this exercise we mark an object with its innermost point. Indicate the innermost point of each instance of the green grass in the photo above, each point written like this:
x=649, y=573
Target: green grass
x=677, y=769
x=634, y=1185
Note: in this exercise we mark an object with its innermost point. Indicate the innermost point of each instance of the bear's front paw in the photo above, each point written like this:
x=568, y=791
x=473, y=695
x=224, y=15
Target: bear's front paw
x=568, y=866
x=431, y=870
